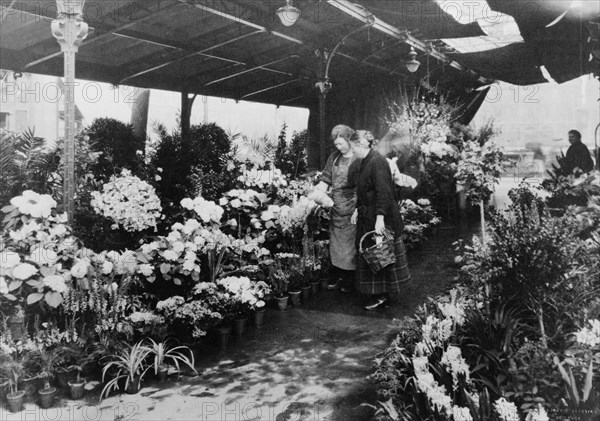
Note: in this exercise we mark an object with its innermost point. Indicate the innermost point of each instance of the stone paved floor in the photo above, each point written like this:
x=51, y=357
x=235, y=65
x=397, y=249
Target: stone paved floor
x=306, y=363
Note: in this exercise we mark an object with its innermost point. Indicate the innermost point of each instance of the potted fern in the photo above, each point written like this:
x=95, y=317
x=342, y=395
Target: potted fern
x=162, y=353
x=15, y=397
x=127, y=367
x=48, y=361
x=77, y=386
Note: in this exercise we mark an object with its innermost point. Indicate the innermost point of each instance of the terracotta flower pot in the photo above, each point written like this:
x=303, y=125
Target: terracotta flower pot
x=65, y=376
x=223, y=333
x=77, y=388
x=16, y=324
x=314, y=287
x=47, y=395
x=259, y=317
x=305, y=293
x=14, y=401
x=295, y=297
x=163, y=372
x=239, y=326
x=133, y=387
x=282, y=302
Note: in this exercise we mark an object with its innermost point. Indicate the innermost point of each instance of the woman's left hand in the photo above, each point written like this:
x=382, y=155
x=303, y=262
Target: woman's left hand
x=379, y=225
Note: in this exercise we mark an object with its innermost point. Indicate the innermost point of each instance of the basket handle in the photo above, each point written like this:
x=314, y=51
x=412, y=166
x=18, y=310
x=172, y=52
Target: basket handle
x=386, y=233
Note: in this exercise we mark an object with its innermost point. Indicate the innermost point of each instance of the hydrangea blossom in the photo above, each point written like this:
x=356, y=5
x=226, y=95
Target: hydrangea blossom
x=34, y=204
x=129, y=202
x=55, y=283
x=207, y=211
x=589, y=336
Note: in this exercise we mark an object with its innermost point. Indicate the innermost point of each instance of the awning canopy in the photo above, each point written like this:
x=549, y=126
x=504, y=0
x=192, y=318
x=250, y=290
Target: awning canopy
x=241, y=50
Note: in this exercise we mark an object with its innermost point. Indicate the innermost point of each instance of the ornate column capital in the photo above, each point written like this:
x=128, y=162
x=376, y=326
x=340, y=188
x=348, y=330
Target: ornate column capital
x=69, y=29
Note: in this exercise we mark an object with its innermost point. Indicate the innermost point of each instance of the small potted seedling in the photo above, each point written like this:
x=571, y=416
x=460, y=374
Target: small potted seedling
x=77, y=386
x=15, y=397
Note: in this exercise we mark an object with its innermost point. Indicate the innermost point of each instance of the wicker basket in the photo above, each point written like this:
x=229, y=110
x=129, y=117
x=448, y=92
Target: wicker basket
x=381, y=255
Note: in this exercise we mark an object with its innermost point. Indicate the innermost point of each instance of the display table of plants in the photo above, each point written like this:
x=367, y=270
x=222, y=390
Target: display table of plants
x=123, y=316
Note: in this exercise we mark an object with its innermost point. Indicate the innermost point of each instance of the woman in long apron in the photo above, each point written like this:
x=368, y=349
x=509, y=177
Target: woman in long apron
x=377, y=209
x=342, y=231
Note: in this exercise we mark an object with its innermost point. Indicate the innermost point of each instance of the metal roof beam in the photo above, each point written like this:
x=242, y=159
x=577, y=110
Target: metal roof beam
x=191, y=54
x=258, y=67
x=269, y=88
x=362, y=14
x=101, y=35
x=242, y=21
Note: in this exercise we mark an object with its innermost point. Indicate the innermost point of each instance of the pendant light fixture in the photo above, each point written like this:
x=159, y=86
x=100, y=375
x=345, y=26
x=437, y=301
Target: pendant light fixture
x=288, y=14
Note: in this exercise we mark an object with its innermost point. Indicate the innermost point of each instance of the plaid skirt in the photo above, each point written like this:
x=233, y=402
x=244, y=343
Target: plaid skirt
x=388, y=280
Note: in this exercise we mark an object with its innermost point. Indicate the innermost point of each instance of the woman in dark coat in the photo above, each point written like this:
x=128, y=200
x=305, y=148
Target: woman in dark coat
x=377, y=209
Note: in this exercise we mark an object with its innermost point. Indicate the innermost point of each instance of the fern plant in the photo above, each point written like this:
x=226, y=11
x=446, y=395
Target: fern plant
x=128, y=365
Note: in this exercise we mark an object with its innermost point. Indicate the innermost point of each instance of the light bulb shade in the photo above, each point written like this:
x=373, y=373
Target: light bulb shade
x=412, y=65
x=288, y=14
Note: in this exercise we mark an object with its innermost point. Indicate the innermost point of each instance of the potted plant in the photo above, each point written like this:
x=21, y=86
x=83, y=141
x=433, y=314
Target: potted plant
x=48, y=361
x=16, y=323
x=128, y=367
x=77, y=386
x=13, y=369
x=66, y=368
x=279, y=282
x=162, y=353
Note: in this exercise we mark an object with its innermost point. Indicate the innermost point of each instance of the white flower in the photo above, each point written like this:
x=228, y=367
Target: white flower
x=223, y=201
x=107, y=267
x=267, y=215
x=170, y=255
x=423, y=202
x=538, y=414
x=58, y=230
x=236, y=203
x=24, y=271
x=187, y=203
x=3, y=286
x=128, y=201
x=507, y=411
x=43, y=256
x=461, y=414
x=34, y=204
x=589, y=337
x=55, y=283
x=9, y=259
x=80, y=269
x=146, y=269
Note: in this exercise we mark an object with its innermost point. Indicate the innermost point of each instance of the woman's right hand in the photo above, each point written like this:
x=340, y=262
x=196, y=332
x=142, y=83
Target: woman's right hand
x=354, y=217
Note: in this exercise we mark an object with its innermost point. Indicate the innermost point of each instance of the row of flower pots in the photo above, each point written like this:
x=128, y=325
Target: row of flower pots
x=238, y=326
x=47, y=393
x=295, y=297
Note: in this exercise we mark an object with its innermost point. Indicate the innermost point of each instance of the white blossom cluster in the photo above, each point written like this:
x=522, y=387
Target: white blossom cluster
x=207, y=211
x=507, y=411
x=589, y=336
x=243, y=198
x=438, y=149
x=262, y=178
x=245, y=291
x=34, y=204
x=129, y=202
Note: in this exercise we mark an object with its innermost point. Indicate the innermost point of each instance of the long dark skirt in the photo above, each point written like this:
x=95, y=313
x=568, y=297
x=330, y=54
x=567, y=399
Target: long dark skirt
x=388, y=280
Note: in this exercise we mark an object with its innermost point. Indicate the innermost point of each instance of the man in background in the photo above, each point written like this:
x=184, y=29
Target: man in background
x=578, y=155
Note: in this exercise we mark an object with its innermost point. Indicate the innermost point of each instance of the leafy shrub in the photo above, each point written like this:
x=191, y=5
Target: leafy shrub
x=291, y=158
x=117, y=143
x=27, y=163
x=196, y=165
